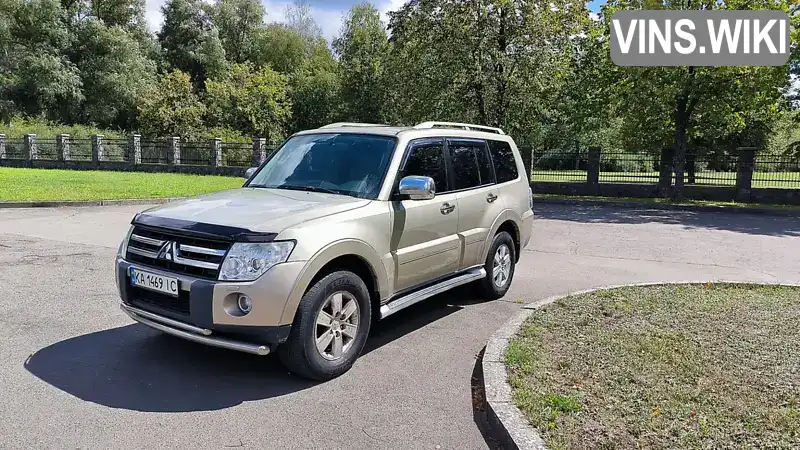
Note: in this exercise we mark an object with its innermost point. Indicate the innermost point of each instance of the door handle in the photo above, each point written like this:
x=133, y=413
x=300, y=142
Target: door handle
x=447, y=208
x=491, y=197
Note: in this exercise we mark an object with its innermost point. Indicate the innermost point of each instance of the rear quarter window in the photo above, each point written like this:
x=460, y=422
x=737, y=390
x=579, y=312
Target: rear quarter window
x=505, y=165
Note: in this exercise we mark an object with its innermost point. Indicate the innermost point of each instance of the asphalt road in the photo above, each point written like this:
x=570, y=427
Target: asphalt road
x=77, y=373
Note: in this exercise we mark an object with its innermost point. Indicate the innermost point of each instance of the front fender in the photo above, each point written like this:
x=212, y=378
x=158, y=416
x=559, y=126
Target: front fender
x=327, y=254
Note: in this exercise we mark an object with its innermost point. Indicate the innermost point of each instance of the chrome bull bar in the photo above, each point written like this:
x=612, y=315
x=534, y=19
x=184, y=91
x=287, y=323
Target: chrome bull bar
x=191, y=332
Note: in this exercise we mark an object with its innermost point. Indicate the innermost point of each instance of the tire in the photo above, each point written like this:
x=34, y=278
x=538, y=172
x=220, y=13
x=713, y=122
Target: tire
x=340, y=344
x=490, y=289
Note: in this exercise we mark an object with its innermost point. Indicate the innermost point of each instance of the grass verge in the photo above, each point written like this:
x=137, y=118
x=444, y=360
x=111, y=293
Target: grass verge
x=665, y=201
x=17, y=184
x=674, y=366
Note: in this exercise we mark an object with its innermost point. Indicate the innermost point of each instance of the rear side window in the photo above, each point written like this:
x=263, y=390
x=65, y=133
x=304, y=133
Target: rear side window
x=470, y=164
x=426, y=158
x=505, y=166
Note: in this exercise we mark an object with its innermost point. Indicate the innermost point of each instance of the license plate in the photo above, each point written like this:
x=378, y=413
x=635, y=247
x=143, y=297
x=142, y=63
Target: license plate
x=158, y=283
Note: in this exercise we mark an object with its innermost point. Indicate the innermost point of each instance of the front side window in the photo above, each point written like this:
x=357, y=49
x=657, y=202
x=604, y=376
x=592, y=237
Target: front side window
x=338, y=163
x=426, y=158
x=470, y=164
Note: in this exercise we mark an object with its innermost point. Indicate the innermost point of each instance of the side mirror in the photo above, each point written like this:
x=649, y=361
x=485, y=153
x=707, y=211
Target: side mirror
x=249, y=173
x=418, y=188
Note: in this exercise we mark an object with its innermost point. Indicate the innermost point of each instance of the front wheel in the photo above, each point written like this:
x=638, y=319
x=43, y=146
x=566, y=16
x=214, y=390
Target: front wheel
x=330, y=327
x=500, y=264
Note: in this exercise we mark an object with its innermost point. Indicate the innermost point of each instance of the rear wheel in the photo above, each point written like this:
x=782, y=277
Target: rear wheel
x=499, y=266
x=330, y=327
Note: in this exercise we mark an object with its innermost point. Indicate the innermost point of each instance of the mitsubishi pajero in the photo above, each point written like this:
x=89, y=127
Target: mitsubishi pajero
x=339, y=227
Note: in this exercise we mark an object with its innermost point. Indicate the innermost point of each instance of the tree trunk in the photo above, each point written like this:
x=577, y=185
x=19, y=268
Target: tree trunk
x=683, y=112
x=680, y=146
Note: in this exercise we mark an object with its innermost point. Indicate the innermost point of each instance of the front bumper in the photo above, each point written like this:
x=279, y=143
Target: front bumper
x=200, y=312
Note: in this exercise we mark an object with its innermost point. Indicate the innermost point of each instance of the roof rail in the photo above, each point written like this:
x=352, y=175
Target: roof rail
x=463, y=126
x=352, y=124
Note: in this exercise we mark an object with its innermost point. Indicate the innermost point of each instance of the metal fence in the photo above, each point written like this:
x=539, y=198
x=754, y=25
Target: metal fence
x=15, y=149
x=116, y=150
x=80, y=149
x=714, y=169
x=777, y=171
x=196, y=153
x=237, y=154
x=559, y=165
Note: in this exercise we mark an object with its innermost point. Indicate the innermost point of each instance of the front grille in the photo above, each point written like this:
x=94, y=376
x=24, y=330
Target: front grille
x=146, y=299
x=197, y=257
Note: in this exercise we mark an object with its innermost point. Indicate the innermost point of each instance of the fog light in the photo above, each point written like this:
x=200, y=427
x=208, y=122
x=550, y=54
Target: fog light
x=245, y=303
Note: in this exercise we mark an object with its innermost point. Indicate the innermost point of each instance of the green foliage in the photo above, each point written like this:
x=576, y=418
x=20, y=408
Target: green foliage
x=115, y=70
x=190, y=41
x=238, y=21
x=252, y=100
x=18, y=127
x=361, y=47
x=171, y=108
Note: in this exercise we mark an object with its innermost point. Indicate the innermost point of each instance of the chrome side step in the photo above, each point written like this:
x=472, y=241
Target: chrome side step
x=190, y=332
x=417, y=296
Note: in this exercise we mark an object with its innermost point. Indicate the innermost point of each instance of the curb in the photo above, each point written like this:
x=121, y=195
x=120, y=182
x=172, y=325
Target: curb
x=670, y=207
x=67, y=203
x=507, y=421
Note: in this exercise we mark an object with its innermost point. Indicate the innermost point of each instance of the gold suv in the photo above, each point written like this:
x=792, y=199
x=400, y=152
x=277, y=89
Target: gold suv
x=340, y=226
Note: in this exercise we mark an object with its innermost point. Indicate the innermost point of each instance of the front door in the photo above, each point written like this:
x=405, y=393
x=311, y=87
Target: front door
x=425, y=231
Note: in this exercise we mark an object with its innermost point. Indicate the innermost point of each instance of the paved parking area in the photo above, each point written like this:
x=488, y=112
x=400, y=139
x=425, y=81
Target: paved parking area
x=77, y=373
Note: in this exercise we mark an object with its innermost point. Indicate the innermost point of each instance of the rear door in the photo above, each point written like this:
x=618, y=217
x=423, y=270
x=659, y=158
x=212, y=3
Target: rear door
x=425, y=231
x=479, y=202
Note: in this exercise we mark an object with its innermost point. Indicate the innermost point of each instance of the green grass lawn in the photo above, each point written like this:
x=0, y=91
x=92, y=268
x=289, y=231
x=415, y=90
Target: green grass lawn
x=784, y=180
x=664, y=367
x=48, y=185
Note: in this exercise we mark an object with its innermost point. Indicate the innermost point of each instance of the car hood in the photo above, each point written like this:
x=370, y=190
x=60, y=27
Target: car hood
x=256, y=209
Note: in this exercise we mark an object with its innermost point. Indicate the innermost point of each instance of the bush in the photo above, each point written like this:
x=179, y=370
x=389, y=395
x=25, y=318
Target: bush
x=18, y=127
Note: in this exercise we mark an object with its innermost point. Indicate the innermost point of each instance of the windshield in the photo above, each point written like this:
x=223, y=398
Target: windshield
x=347, y=164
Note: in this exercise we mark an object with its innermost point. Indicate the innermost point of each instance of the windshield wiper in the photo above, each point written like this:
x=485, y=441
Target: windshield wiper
x=293, y=187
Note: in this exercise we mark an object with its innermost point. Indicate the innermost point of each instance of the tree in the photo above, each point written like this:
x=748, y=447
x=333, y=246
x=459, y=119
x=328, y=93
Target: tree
x=697, y=103
x=122, y=13
x=115, y=70
x=37, y=79
x=238, y=22
x=279, y=47
x=253, y=101
x=361, y=46
x=171, y=108
x=298, y=17
x=494, y=62
x=190, y=41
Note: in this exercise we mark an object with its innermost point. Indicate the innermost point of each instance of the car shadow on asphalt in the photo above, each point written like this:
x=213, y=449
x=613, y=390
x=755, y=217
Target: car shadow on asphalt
x=765, y=225
x=136, y=368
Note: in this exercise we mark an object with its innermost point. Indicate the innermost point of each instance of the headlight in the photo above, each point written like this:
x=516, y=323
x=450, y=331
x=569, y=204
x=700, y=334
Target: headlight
x=246, y=261
x=123, y=247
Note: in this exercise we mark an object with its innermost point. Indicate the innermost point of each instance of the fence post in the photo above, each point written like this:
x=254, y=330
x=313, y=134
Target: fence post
x=216, y=151
x=174, y=152
x=31, y=152
x=62, y=147
x=97, y=148
x=2, y=146
x=593, y=169
x=136, y=149
x=691, y=168
x=744, y=173
x=259, y=151
x=665, y=171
